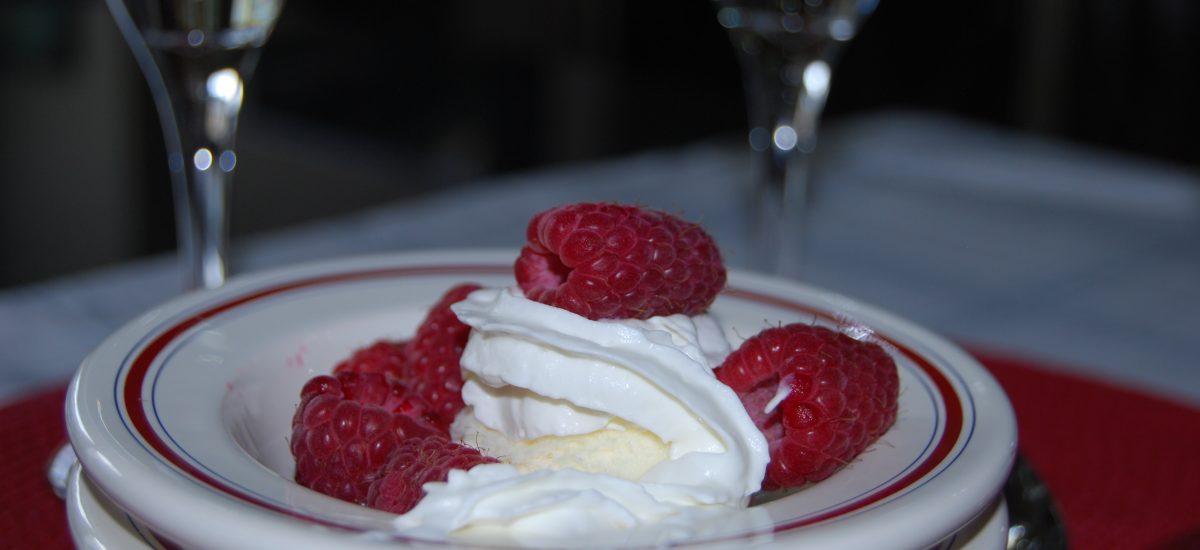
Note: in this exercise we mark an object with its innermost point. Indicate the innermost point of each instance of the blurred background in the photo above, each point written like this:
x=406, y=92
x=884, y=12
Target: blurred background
x=373, y=102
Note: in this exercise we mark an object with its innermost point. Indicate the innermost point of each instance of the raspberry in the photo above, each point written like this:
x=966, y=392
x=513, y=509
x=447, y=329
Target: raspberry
x=609, y=261
x=383, y=356
x=841, y=395
x=416, y=462
x=384, y=390
x=344, y=431
x=432, y=356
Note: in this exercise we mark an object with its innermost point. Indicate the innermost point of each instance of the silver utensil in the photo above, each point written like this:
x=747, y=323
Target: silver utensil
x=1033, y=517
x=59, y=468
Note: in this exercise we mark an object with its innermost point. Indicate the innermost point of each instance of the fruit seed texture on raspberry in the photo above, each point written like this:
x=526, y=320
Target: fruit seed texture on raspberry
x=610, y=261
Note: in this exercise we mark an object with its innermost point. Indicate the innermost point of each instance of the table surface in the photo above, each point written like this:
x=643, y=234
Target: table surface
x=1070, y=272
x=1078, y=257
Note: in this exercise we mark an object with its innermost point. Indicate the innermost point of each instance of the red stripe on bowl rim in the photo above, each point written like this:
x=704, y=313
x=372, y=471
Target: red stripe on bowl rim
x=129, y=393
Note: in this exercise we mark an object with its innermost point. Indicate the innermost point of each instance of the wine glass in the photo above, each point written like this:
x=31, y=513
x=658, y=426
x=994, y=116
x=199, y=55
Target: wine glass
x=787, y=50
x=196, y=56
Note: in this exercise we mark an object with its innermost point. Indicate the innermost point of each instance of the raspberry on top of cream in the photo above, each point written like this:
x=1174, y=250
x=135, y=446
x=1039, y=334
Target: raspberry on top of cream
x=537, y=372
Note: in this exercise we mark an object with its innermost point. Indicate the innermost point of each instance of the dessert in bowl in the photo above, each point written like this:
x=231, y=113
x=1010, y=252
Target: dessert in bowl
x=183, y=417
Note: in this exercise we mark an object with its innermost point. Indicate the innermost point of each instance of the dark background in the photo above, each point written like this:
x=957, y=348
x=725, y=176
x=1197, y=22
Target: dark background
x=375, y=101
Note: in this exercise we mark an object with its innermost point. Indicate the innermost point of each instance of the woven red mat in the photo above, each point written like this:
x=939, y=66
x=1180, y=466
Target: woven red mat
x=30, y=431
x=1123, y=465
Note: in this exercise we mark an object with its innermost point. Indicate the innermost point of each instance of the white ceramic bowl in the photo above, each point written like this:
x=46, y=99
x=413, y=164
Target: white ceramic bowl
x=181, y=417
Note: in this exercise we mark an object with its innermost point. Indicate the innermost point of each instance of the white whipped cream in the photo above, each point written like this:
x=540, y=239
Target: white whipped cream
x=535, y=370
x=494, y=504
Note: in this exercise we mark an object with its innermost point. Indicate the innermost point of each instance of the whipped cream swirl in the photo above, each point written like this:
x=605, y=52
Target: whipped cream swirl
x=533, y=370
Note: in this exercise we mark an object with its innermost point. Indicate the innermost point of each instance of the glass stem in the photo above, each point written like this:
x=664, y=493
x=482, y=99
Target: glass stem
x=205, y=161
x=786, y=94
x=197, y=90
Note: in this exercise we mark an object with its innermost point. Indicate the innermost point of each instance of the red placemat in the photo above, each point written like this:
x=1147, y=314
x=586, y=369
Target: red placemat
x=30, y=431
x=1123, y=465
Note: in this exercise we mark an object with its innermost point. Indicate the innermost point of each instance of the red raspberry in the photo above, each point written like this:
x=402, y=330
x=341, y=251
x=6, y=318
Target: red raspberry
x=383, y=356
x=609, y=261
x=842, y=396
x=432, y=356
x=416, y=462
x=386, y=391
x=344, y=431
